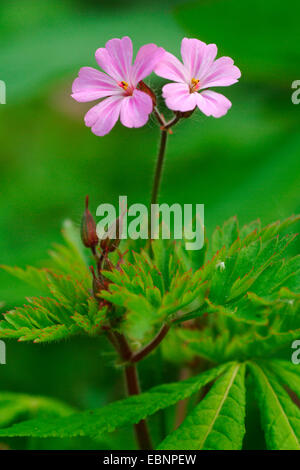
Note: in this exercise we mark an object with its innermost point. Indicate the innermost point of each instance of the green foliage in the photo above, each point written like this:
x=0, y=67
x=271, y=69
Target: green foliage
x=238, y=309
x=152, y=291
x=242, y=281
x=252, y=307
x=216, y=423
x=69, y=307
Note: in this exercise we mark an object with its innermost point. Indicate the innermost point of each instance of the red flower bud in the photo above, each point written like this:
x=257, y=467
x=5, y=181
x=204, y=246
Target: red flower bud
x=88, y=227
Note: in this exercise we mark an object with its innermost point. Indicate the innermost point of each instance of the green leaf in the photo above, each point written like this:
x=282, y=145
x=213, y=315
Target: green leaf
x=152, y=291
x=226, y=235
x=38, y=278
x=69, y=309
x=248, y=270
x=217, y=423
x=287, y=372
x=226, y=346
x=131, y=410
x=280, y=417
x=69, y=258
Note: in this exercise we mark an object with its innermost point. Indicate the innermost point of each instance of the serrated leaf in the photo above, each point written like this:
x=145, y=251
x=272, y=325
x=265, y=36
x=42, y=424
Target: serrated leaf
x=38, y=278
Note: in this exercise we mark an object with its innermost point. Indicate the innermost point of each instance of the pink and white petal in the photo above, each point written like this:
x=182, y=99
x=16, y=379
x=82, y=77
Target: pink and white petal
x=191, y=53
x=120, y=50
x=213, y=104
x=105, y=61
x=146, y=60
x=178, y=97
x=135, y=109
x=197, y=56
x=102, y=117
x=171, y=68
x=209, y=55
x=116, y=58
x=91, y=84
x=221, y=73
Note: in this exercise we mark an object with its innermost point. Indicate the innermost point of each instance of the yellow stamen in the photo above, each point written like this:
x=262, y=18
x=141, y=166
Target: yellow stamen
x=124, y=85
x=194, y=85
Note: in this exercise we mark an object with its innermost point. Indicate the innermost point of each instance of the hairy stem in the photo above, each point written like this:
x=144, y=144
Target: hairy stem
x=133, y=388
x=159, y=166
x=165, y=130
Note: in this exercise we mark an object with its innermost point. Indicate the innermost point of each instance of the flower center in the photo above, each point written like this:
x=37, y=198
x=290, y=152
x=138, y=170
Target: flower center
x=126, y=87
x=195, y=85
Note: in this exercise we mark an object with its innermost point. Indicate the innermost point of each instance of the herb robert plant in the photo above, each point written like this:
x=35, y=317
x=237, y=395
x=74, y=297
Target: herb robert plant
x=227, y=313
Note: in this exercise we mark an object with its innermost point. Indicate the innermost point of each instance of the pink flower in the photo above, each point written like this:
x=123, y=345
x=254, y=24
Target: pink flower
x=118, y=85
x=198, y=72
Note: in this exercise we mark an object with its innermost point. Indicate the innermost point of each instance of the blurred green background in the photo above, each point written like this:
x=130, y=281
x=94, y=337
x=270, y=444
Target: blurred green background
x=246, y=163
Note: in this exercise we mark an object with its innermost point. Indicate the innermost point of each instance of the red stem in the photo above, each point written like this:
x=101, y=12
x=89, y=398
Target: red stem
x=133, y=388
x=138, y=356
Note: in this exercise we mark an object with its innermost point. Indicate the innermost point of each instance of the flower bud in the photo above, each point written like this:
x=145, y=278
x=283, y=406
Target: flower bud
x=88, y=227
x=143, y=87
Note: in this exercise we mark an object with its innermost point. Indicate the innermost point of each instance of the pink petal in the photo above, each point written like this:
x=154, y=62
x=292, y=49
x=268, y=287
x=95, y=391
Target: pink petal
x=212, y=103
x=197, y=56
x=146, y=60
x=135, y=109
x=102, y=117
x=178, y=97
x=221, y=73
x=91, y=84
x=170, y=67
x=116, y=58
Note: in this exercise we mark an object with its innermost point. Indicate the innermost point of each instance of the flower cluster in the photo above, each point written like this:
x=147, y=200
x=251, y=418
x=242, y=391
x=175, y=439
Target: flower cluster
x=128, y=98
